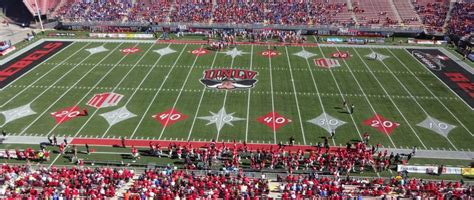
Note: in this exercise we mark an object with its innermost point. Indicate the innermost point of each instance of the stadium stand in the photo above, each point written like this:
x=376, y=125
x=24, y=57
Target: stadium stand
x=433, y=14
x=192, y=13
x=45, y=6
x=462, y=21
x=24, y=181
x=169, y=184
x=299, y=187
x=380, y=13
x=21, y=181
x=334, y=13
x=328, y=171
x=153, y=10
x=407, y=12
x=370, y=12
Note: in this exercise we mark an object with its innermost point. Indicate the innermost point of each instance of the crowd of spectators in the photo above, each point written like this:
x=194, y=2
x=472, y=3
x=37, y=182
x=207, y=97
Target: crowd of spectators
x=433, y=14
x=462, y=19
x=25, y=182
x=99, y=11
x=308, y=186
x=26, y=154
x=201, y=12
x=253, y=13
x=171, y=184
x=321, y=172
x=357, y=157
x=22, y=181
x=236, y=13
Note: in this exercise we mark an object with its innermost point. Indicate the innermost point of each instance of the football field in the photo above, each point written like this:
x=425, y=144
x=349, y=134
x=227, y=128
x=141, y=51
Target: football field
x=144, y=90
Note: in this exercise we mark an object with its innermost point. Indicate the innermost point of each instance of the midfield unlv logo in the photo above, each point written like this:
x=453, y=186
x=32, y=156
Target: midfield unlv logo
x=229, y=78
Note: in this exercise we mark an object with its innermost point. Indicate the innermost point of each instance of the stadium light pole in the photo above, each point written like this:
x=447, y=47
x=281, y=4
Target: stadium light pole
x=39, y=15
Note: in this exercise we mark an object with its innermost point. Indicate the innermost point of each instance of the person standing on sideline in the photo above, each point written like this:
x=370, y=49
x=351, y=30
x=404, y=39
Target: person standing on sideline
x=87, y=149
x=123, y=142
x=414, y=150
x=55, y=141
x=61, y=148
x=352, y=109
x=366, y=138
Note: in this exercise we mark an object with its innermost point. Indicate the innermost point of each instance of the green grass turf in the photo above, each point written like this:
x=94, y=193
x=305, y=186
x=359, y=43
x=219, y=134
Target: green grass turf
x=274, y=89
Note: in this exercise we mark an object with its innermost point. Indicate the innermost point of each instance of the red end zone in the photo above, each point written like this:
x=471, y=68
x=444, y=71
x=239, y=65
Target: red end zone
x=454, y=76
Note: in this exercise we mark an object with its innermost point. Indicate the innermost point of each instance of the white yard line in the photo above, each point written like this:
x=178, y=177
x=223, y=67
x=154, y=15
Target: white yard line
x=296, y=98
x=158, y=92
x=200, y=100
x=60, y=97
x=179, y=95
x=223, y=105
x=420, y=98
x=137, y=88
x=59, y=79
x=103, y=77
x=113, y=90
x=248, y=98
x=431, y=92
x=419, y=105
x=273, y=99
x=413, y=98
x=45, y=74
x=321, y=101
x=366, y=98
x=90, y=90
x=391, y=100
x=340, y=92
x=255, y=68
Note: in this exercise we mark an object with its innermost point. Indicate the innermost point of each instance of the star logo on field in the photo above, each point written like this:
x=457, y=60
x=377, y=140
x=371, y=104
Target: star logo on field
x=437, y=126
x=234, y=52
x=305, y=54
x=17, y=113
x=98, y=49
x=221, y=118
x=376, y=56
x=115, y=116
x=327, y=122
x=164, y=51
